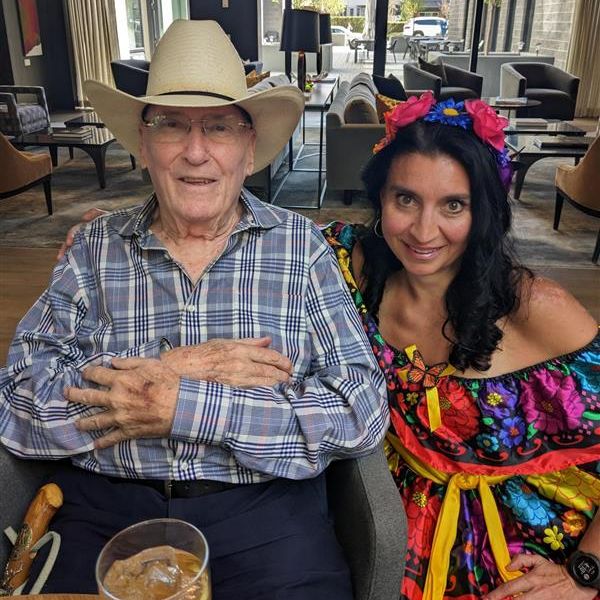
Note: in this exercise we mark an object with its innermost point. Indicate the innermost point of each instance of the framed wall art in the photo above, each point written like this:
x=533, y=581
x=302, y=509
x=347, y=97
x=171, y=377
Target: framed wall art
x=30, y=27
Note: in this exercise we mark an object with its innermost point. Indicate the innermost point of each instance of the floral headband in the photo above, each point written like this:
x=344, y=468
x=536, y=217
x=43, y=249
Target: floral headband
x=473, y=115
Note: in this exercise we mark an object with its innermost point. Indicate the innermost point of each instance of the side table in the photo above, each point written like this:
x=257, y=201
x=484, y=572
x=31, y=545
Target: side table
x=320, y=100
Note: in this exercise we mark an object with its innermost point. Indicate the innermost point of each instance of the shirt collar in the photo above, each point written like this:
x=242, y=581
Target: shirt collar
x=256, y=215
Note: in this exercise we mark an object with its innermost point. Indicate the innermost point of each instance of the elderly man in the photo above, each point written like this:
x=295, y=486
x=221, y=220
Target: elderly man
x=198, y=357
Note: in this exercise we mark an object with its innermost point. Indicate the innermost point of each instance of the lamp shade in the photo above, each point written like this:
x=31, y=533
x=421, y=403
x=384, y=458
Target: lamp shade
x=325, y=29
x=300, y=30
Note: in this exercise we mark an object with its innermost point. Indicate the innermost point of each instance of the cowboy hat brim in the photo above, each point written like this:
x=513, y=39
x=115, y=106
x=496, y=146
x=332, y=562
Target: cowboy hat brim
x=275, y=113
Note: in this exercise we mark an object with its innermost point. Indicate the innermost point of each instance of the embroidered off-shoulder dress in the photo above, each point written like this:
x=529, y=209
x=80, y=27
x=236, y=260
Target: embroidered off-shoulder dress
x=488, y=467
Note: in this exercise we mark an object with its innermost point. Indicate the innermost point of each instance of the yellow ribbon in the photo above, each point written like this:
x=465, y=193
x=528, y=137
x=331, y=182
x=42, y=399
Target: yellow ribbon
x=431, y=393
x=447, y=524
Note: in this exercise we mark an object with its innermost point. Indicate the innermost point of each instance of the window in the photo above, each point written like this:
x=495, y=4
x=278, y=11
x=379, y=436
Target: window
x=527, y=24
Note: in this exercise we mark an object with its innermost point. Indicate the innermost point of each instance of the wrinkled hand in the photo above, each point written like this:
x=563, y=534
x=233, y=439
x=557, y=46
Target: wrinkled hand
x=86, y=217
x=139, y=399
x=543, y=580
x=241, y=363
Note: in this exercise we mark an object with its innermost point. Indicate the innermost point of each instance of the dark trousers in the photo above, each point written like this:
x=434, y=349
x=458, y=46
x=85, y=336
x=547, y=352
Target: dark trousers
x=266, y=541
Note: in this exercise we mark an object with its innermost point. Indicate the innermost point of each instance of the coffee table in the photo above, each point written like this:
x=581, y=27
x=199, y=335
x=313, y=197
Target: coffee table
x=534, y=126
x=87, y=118
x=95, y=145
x=508, y=106
x=529, y=153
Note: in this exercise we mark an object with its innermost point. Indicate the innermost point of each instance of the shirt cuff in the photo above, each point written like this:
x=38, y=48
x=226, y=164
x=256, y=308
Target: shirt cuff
x=203, y=412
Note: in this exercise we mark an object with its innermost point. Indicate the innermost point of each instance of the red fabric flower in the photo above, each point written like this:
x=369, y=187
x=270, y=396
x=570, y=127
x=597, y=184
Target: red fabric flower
x=404, y=114
x=422, y=513
x=460, y=416
x=408, y=112
x=488, y=125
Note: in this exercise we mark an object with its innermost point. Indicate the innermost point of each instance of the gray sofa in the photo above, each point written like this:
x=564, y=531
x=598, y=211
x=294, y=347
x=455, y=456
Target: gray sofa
x=369, y=517
x=554, y=88
x=352, y=129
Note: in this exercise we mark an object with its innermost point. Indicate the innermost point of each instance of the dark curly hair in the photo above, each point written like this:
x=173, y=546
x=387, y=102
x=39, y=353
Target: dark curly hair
x=488, y=281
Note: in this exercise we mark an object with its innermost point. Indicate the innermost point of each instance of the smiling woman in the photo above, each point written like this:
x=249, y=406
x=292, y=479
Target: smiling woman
x=493, y=442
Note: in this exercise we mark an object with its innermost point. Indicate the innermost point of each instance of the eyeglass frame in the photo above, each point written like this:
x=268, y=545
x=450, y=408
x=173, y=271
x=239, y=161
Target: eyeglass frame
x=152, y=123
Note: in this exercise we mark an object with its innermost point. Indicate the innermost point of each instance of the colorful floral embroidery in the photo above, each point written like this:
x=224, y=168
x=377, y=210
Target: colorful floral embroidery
x=573, y=522
x=506, y=421
x=551, y=401
x=553, y=538
x=512, y=432
x=527, y=506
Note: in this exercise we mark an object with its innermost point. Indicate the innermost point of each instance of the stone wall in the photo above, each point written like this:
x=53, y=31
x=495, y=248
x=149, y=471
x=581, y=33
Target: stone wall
x=552, y=29
x=550, y=32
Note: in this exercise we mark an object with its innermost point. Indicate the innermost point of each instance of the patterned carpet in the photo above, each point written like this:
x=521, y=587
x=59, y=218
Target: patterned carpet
x=24, y=221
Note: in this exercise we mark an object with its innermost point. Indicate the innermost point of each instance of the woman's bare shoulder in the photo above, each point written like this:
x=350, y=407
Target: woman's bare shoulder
x=551, y=319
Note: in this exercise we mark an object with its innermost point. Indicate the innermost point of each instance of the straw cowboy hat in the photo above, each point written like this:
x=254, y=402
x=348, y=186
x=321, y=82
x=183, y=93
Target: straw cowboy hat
x=196, y=65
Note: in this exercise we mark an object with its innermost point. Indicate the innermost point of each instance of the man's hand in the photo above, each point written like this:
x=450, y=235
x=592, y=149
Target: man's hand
x=86, y=217
x=543, y=580
x=139, y=399
x=242, y=363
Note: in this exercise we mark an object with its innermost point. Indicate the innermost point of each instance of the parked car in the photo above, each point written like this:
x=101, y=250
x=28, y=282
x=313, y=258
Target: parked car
x=340, y=29
x=426, y=26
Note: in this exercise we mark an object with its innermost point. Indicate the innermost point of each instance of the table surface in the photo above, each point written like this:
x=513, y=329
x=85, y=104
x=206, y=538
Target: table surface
x=524, y=144
x=97, y=137
x=87, y=118
x=320, y=95
x=510, y=105
x=535, y=126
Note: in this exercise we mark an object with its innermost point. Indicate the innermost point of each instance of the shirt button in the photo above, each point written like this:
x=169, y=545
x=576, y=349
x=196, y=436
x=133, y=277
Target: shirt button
x=185, y=466
x=190, y=308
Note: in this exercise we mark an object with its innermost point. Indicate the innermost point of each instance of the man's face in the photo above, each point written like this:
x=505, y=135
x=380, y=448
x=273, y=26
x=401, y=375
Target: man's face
x=198, y=177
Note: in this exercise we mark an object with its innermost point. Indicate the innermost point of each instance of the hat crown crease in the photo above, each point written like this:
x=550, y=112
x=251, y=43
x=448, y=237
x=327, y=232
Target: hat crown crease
x=193, y=57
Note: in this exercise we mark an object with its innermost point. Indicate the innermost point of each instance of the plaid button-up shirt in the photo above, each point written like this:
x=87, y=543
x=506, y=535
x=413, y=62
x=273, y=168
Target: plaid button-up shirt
x=119, y=293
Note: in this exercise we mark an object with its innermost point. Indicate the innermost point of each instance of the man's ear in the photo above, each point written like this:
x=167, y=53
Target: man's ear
x=250, y=154
x=141, y=157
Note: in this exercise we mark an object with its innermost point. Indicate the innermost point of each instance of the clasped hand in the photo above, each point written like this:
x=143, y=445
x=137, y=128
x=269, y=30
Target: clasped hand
x=139, y=395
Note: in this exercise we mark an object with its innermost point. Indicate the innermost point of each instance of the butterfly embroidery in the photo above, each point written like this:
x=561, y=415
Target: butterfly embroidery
x=419, y=372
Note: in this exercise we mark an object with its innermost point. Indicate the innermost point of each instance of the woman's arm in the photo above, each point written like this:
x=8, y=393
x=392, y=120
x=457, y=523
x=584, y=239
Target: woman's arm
x=552, y=321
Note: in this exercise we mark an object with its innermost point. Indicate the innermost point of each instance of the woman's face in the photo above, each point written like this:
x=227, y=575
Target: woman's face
x=426, y=213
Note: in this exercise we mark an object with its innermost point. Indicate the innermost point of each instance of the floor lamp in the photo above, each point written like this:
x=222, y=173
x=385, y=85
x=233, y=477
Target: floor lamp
x=300, y=33
x=324, y=38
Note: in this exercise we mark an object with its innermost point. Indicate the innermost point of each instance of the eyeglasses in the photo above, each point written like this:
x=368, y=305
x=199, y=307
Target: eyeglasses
x=165, y=129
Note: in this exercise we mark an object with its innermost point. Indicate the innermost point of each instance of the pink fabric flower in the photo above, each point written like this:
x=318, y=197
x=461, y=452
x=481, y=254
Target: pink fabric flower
x=488, y=125
x=408, y=112
x=551, y=402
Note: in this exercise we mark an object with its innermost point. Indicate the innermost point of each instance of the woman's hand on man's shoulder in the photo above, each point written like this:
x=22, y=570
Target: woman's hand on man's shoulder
x=553, y=319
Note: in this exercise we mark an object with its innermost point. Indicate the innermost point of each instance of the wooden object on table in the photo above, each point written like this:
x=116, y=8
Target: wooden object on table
x=35, y=524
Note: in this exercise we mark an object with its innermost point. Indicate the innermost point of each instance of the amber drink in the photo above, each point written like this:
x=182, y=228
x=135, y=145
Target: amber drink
x=155, y=560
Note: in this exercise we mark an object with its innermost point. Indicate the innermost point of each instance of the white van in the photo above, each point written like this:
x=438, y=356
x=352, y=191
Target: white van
x=426, y=26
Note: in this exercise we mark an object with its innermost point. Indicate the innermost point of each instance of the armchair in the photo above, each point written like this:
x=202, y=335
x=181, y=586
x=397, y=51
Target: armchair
x=554, y=88
x=23, y=170
x=26, y=116
x=368, y=513
x=579, y=185
x=459, y=84
x=130, y=75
